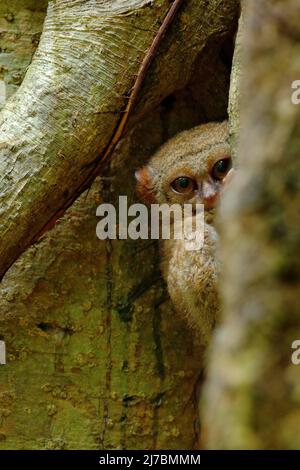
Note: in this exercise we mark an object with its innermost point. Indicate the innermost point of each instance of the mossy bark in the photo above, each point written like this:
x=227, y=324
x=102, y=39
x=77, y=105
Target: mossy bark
x=252, y=397
x=21, y=24
x=97, y=358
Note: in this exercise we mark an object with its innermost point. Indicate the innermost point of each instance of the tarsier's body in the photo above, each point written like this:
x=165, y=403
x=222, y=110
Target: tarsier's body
x=191, y=168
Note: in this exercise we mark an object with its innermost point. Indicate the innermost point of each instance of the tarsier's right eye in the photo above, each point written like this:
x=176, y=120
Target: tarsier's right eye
x=221, y=168
x=183, y=185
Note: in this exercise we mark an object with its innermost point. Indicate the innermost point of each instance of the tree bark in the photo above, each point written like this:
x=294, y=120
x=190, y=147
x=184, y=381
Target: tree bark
x=252, y=396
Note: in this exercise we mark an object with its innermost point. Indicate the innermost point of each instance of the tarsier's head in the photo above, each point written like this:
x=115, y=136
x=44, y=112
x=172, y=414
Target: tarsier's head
x=189, y=168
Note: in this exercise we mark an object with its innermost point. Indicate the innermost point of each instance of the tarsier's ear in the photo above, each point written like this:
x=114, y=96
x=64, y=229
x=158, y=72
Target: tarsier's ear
x=144, y=187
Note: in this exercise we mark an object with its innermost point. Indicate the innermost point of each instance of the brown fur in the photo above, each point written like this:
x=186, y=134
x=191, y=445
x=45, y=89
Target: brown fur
x=191, y=276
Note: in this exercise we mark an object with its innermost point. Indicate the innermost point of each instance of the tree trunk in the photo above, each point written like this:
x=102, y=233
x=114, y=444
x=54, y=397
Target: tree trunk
x=252, y=396
x=59, y=123
x=97, y=359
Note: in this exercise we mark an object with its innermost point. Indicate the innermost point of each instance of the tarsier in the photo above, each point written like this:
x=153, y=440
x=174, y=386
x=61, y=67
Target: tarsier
x=191, y=168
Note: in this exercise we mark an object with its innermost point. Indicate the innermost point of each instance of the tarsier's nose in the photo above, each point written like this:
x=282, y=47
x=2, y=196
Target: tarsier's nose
x=210, y=195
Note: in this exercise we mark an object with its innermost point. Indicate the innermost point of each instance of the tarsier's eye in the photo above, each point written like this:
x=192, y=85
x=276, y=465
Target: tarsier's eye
x=221, y=168
x=183, y=185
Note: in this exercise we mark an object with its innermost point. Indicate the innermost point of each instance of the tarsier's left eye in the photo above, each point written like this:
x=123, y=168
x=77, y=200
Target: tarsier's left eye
x=183, y=185
x=221, y=168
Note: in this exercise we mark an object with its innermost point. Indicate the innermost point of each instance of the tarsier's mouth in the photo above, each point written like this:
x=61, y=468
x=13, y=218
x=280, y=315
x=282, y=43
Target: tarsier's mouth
x=211, y=202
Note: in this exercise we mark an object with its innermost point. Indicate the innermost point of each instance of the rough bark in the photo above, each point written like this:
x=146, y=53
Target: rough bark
x=21, y=24
x=252, y=396
x=234, y=92
x=97, y=359
x=54, y=129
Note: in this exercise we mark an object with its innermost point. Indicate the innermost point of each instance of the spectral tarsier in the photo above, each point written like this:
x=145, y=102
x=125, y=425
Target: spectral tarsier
x=191, y=168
